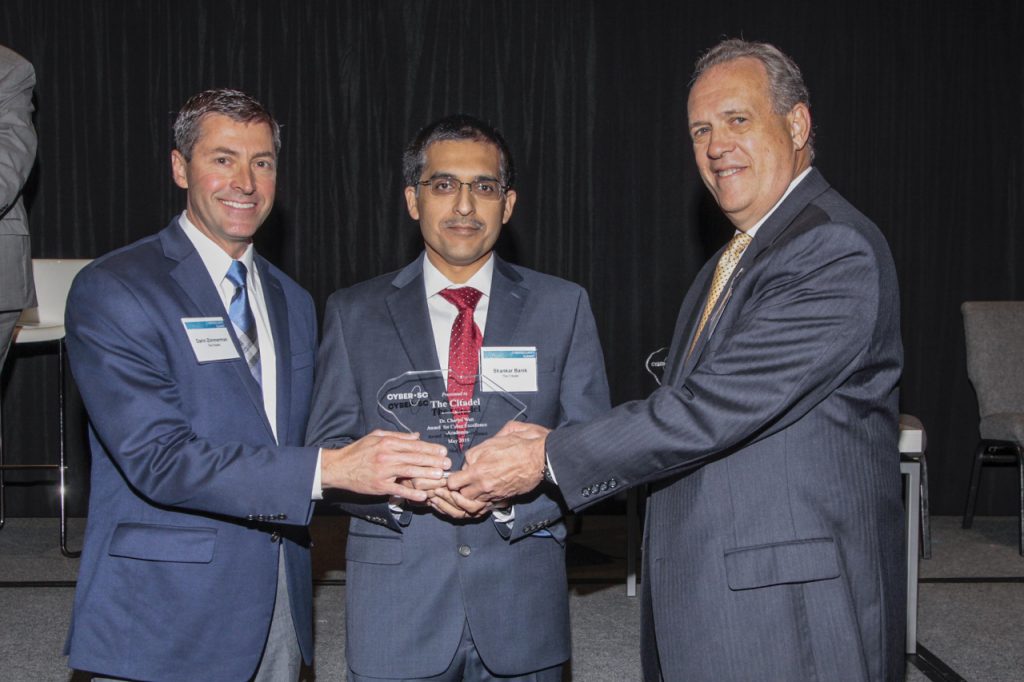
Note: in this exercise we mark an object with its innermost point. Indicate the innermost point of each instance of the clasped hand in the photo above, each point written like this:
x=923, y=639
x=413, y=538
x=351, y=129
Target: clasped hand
x=508, y=464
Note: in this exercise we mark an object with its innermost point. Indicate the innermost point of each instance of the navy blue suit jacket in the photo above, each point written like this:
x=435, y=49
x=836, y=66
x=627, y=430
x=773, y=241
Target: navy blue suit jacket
x=412, y=584
x=773, y=542
x=179, y=567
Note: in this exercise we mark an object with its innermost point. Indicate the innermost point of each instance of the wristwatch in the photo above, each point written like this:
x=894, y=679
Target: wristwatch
x=549, y=475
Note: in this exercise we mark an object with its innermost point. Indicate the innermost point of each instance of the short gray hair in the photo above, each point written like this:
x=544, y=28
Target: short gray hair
x=785, y=82
x=234, y=104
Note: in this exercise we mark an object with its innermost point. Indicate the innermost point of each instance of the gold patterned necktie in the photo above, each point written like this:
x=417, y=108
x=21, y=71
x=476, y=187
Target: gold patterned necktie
x=723, y=271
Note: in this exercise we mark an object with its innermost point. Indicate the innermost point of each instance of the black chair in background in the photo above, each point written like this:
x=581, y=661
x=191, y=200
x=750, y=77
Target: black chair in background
x=994, y=331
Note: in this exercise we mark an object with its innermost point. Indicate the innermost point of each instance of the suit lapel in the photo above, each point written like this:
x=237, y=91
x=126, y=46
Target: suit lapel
x=504, y=310
x=277, y=314
x=682, y=364
x=407, y=305
x=686, y=322
x=508, y=297
x=193, y=278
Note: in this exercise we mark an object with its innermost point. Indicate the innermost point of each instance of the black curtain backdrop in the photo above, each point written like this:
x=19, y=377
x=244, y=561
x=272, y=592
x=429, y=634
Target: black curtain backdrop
x=919, y=116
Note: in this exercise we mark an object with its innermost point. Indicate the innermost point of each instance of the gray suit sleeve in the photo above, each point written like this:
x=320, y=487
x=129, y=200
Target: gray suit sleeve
x=17, y=136
x=583, y=396
x=797, y=337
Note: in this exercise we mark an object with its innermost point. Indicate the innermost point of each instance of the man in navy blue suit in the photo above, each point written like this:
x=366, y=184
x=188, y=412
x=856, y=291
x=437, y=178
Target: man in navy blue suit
x=195, y=358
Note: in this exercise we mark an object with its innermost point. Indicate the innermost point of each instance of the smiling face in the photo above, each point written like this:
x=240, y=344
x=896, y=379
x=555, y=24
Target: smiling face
x=231, y=180
x=459, y=230
x=746, y=153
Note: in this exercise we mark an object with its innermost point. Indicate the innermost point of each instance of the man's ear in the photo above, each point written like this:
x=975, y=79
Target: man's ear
x=510, y=202
x=410, y=203
x=179, y=168
x=799, y=121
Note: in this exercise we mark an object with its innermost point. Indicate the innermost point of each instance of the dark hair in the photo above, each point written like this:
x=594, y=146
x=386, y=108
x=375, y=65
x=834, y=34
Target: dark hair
x=234, y=104
x=455, y=127
x=785, y=82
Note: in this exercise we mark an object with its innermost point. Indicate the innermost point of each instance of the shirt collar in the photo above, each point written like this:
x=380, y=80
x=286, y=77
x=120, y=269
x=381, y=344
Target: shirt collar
x=435, y=282
x=796, y=181
x=214, y=258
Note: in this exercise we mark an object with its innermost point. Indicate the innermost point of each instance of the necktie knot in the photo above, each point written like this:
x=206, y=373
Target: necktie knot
x=464, y=298
x=237, y=273
x=737, y=245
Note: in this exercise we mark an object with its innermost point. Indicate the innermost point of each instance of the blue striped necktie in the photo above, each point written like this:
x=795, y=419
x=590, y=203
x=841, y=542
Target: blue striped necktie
x=241, y=316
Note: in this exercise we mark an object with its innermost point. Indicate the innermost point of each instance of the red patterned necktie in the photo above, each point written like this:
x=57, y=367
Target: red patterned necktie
x=463, y=356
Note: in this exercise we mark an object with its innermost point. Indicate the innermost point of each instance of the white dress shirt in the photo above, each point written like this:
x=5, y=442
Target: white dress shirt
x=217, y=263
x=443, y=312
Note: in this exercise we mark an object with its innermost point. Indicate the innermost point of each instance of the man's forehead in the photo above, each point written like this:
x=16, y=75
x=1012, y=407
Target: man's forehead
x=446, y=156
x=732, y=86
x=225, y=126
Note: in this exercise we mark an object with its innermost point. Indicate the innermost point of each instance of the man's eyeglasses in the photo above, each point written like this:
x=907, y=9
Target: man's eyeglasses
x=447, y=186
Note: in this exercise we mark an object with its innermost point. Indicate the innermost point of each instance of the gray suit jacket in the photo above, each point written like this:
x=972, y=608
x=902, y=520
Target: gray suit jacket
x=413, y=583
x=773, y=543
x=17, y=154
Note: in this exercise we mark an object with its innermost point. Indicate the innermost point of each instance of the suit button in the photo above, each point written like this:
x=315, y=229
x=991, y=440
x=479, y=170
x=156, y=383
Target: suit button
x=585, y=492
x=275, y=537
x=613, y=483
x=250, y=517
x=464, y=550
x=282, y=517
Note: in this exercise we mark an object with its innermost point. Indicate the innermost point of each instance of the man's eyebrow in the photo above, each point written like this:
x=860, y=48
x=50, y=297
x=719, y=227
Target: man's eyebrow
x=453, y=176
x=234, y=152
x=726, y=112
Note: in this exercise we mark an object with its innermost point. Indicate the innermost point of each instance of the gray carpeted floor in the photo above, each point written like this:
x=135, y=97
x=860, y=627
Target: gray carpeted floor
x=975, y=627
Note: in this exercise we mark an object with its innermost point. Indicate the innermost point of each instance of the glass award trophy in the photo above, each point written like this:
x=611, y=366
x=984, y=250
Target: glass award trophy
x=418, y=402
x=655, y=364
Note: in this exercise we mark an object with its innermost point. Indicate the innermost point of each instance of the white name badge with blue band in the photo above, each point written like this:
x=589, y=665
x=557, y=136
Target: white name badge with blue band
x=508, y=368
x=209, y=338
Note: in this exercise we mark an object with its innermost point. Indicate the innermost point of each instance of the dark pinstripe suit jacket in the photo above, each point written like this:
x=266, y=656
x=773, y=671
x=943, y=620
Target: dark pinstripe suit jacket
x=773, y=542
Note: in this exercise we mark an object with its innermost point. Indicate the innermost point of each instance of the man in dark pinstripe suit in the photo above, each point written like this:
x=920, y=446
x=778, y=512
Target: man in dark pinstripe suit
x=773, y=545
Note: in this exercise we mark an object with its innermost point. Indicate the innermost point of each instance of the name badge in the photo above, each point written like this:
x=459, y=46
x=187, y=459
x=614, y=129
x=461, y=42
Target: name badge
x=209, y=338
x=508, y=368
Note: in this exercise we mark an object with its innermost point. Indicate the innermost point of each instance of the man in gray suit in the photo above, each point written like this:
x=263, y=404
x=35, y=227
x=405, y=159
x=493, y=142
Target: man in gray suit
x=773, y=544
x=17, y=154
x=457, y=590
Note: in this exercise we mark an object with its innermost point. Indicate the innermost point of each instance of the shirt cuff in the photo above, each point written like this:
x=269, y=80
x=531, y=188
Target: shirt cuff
x=504, y=515
x=318, y=487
